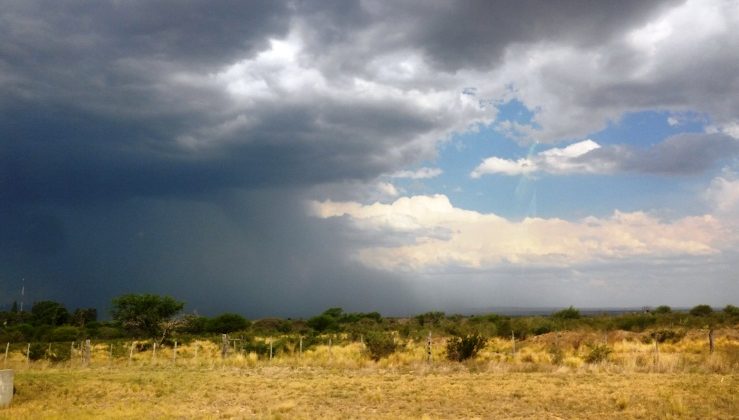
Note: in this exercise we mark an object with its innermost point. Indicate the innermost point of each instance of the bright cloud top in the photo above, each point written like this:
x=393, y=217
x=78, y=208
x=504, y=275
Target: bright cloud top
x=677, y=155
x=555, y=160
x=444, y=236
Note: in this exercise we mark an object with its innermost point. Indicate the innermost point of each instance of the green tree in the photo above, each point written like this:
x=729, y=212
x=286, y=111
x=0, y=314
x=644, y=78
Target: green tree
x=731, y=310
x=47, y=312
x=152, y=315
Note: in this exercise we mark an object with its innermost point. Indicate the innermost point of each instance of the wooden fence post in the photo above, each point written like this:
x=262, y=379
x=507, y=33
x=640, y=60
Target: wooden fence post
x=71, y=355
x=28, y=354
x=710, y=340
x=5, y=361
x=513, y=343
x=301, y=347
x=87, y=353
x=174, y=353
x=154, y=353
x=428, y=348
x=224, y=346
x=130, y=353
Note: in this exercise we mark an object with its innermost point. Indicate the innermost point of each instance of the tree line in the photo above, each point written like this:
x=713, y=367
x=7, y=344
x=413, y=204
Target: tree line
x=161, y=317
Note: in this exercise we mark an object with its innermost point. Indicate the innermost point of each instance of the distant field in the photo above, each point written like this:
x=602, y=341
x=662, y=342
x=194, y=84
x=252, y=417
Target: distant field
x=445, y=391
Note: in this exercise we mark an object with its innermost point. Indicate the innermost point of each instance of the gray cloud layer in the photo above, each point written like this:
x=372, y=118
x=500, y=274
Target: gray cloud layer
x=167, y=146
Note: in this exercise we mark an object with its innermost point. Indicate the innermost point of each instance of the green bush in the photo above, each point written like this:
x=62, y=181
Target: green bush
x=701, y=310
x=662, y=336
x=731, y=310
x=598, y=353
x=463, y=348
x=64, y=333
x=37, y=351
x=663, y=309
x=635, y=322
x=226, y=323
x=379, y=345
x=569, y=313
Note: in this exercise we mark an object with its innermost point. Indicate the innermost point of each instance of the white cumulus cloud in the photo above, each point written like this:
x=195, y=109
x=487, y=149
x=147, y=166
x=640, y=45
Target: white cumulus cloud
x=482, y=240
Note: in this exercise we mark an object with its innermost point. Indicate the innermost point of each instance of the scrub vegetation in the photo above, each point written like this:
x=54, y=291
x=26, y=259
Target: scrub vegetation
x=661, y=363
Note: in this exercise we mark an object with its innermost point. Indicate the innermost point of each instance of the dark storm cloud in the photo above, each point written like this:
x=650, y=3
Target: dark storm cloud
x=168, y=146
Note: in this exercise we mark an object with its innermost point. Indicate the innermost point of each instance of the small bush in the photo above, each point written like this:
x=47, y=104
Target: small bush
x=701, y=310
x=598, y=353
x=635, y=322
x=556, y=354
x=663, y=309
x=661, y=336
x=379, y=345
x=731, y=310
x=37, y=351
x=569, y=313
x=463, y=348
x=64, y=333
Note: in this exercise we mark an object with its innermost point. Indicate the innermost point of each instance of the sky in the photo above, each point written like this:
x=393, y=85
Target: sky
x=276, y=158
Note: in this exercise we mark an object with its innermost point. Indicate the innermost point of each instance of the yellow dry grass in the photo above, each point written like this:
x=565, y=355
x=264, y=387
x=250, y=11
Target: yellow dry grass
x=443, y=391
x=675, y=380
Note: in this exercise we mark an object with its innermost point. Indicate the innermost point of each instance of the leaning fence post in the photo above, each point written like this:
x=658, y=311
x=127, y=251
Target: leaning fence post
x=5, y=361
x=270, y=348
x=71, y=355
x=301, y=347
x=513, y=343
x=710, y=341
x=174, y=353
x=130, y=353
x=28, y=354
x=154, y=353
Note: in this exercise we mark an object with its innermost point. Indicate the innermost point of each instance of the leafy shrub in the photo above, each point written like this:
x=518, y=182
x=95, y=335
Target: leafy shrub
x=59, y=352
x=37, y=351
x=430, y=318
x=569, y=313
x=556, y=354
x=463, y=348
x=598, y=353
x=731, y=310
x=635, y=322
x=701, y=310
x=661, y=336
x=663, y=309
x=379, y=345
x=226, y=323
x=64, y=333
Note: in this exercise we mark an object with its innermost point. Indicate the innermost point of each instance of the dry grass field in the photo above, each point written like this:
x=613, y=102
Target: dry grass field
x=682, y=380
x=320, y=392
